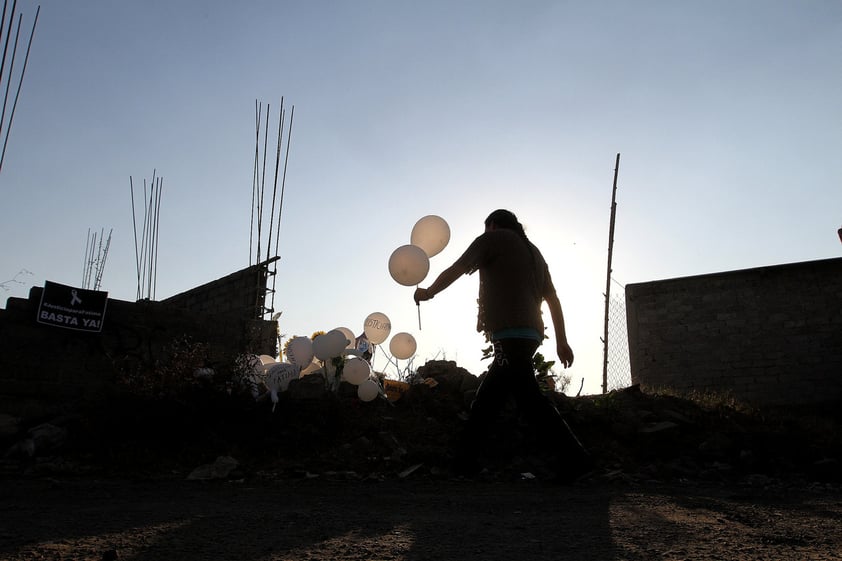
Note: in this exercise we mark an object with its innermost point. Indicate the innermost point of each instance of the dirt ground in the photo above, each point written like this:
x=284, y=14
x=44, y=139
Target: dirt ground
x=321, y=519
x=332, y=478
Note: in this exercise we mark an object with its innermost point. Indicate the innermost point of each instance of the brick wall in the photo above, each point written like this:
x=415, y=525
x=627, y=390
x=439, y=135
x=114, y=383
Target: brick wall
x=44, y=362
x=241, y=293
x=768, y=335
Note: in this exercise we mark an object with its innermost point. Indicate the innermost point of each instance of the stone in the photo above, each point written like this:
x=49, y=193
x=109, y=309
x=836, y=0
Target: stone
x=9, y=426
x=662, y=426
x=311, y=386
x=219, y=469
x=47, y=437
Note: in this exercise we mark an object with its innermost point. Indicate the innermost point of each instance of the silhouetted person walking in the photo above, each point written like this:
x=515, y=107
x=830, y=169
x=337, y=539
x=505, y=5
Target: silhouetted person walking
x=514, y=280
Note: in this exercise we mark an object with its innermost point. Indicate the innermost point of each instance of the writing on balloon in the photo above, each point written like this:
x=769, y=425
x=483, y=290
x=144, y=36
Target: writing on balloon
x=377, y=324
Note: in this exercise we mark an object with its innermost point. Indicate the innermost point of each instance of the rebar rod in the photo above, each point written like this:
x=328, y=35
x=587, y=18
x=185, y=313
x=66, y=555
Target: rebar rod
x=262, y=186
x=254, y=176
x=17, y=92
x=275, y=178
x=157, y=232
x=134, y=229
x=6, y=42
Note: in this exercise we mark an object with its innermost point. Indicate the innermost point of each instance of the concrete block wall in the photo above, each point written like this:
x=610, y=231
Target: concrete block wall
x=241, y=293
x=52, y=364
x=768, y=335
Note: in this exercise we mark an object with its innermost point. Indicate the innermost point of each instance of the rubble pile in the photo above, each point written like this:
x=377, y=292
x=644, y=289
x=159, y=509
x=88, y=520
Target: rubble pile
x=632, y=435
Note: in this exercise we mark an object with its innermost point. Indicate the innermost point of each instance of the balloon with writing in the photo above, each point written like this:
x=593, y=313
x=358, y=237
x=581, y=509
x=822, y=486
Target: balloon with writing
x=377, y=327
x=278, y=377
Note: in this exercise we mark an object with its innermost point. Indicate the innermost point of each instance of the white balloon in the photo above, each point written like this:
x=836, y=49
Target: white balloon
x=402, y=345
x=431, y=233
x=300, y=351
x=368, y=390
x=377, y=327
x=337, y=342
x=349, y=335
x=310, y=368
x=322, y=346
x=409, y=265
x=356, y=371
x=280, y=374
x=265, y=362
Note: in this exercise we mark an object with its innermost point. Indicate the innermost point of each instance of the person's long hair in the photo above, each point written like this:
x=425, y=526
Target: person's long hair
x=503, y=218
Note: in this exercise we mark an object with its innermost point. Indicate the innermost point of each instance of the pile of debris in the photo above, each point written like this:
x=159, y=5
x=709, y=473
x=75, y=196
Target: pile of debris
x=632, y=436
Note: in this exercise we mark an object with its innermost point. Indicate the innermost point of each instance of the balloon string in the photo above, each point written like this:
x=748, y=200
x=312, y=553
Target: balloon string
x=418, y=305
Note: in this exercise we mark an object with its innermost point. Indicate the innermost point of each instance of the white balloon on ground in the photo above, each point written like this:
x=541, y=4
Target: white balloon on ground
x=266, y=359
x=278, y=377
x=349, y=335
x=431, y=233
x=280, y=374
x=356, y=371
x=377, y=327
x=368, y=390
x=409, y=265
x=402, y=345
x=300, y=351
x=310, y=368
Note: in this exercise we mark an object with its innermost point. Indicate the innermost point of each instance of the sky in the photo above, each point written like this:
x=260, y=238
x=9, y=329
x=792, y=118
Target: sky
x=726, y=115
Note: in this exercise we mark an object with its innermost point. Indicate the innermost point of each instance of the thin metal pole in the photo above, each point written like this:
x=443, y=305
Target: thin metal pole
x=143, y=244
x=85, y=261
x=608, y=279
x=20, y=84
x=275, y=179
x=6, y=43
x=11, y=70
x=104, y=256
x=157, y=231
x=257, y=110
x=284, y=179
x=281, y=202
x=134, y=228
x=262, y=187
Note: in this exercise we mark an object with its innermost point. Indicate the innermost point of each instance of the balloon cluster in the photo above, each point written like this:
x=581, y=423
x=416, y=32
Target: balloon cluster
x=338, y=346
x=409, y=264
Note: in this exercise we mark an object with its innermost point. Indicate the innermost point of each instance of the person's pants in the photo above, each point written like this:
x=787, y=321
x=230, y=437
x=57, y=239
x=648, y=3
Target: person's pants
x=512, y=375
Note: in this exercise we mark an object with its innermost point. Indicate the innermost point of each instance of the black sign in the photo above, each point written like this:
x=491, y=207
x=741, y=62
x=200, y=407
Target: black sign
x=72, y=308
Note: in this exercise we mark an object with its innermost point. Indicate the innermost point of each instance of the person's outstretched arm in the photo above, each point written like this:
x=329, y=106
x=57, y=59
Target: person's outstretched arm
x=444, y=280
x=565, y=353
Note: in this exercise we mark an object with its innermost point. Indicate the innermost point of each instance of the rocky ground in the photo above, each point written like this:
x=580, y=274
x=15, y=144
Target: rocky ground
x=327, y=476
